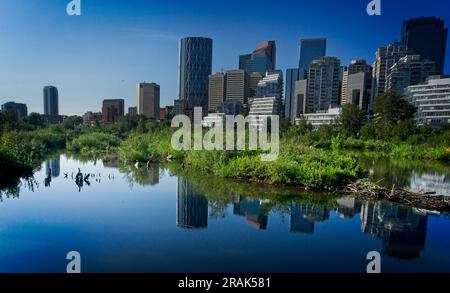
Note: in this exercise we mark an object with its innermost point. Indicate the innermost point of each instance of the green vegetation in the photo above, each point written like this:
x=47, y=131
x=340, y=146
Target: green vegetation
x=94, y=144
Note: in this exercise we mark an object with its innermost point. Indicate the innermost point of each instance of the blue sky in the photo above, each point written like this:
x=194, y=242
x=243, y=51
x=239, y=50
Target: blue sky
x=117, y=43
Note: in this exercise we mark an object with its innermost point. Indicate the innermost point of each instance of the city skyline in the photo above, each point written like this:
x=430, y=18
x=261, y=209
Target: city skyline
x=87, y=62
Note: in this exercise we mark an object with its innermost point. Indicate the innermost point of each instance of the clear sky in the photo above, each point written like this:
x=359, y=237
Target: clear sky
x=117, y=43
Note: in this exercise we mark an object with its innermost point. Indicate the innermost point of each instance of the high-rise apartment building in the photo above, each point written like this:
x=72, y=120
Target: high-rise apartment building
x=51, y=101
x=217, y=91
x=113, y=110
x=385, y=58
x=237, y=86
x=299, y=102
x=355, y=67
x=409, y=70
x=253, y=81
x=148, y=100
x=357, y=84
x=195, y=66
x=427, y=37
x=271, y=85
x=323, y=84
x=292, y=76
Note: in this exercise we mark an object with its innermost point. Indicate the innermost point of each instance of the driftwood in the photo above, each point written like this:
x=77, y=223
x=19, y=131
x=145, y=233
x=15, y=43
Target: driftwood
x=423, y=200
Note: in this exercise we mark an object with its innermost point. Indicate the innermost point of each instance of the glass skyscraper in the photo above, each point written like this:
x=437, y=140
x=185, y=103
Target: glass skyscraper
x=427, y=37
x=51, y=106
x=262, y=59
x=310, y=50
x=195, y=67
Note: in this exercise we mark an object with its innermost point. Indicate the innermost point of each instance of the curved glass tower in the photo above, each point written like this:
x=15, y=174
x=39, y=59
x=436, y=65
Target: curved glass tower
x=195, y=66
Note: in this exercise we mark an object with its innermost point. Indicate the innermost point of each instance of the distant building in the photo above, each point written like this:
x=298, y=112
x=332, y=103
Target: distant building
x=237, y=86
x=213, y=119
x=271, y=85
x=363, y=87
x=90, y=118
x=195, y=66
x=385, y=58
x=292, y=76
x=54, y=119
x=217, y=89
x=180, y=107
x=20, y=110
x=231, y=108
x=51, y=101
x=133, y=112
x=427, y=37
x=113, y=110
x=148, y=100
x=299, y=101
x=409, y=70
x=323, y=85
x=261, y=60
x=166, y=113
x=310, y=50
x=432, y=100
x=321, y=118
x=253, y=81
x=261, y=109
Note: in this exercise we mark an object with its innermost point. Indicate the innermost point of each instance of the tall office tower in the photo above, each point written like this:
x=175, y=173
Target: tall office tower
x=192, y=207
x=253, y=81
x=299, y=103
x=148, y=100
x=409, y=70
x=292, y=76
x=20, y=110
x=113, y=110
x=132, y=112
x=385, y=58
x=237, y=86
x=51, y=106
x=360, y=91
x=427, y=37
x=261, y=60
x=195, y=66
x=310, y=50
x=323, y=84
x=216, y=91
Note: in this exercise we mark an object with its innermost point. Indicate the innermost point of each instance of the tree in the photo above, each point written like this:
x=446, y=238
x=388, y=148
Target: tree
x=392, y=108
x=35, y=120
x=351, y=120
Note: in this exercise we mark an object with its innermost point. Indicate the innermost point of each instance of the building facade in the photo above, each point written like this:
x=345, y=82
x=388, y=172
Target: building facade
x=51, y=101
x=356, y=66
x=323, y=85
x=148, y=100
x=262, y=59
x=236, y=86
x=310, y=50
x=427, y=37
x=20, y=110
x=299, y=103
x=292, y=76
x=432, y=100
x=409, y=70
x=217, y=91
x=195, y=66
x=385, y=58
x=321, y=118
x=113, y=110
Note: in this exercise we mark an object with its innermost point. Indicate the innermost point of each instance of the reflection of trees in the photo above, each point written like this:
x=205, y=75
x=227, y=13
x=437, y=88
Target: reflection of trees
x=144, y=176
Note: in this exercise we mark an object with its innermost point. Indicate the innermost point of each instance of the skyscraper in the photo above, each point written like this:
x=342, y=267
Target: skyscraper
x=299, y=101
x=262, y=59
x=216, y=90
x=409, y=70
x=323, y=84
x=253, y=81
x=385, y=58
x=192, y=206
x=292, y=76
x=148, y=100
x=51, y=104
x=271, y=85
x=195, y=66
x=237, y=86
x=310, y=50
x=427, y=37
x=113, y=110
x=360, y=89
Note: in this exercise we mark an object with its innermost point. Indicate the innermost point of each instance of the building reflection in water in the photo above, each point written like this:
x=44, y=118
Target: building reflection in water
x=252, y=210
x=348, y=207
x=401, y=229
x=147, y=176
x=53, y=168
x=431, y=181
x=304, y=217
x=192, y=207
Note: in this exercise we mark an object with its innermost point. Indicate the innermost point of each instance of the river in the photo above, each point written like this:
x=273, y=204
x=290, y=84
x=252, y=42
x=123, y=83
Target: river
x=124, y=219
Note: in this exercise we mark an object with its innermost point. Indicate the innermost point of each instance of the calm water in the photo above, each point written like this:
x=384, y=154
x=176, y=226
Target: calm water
x=128, y=220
